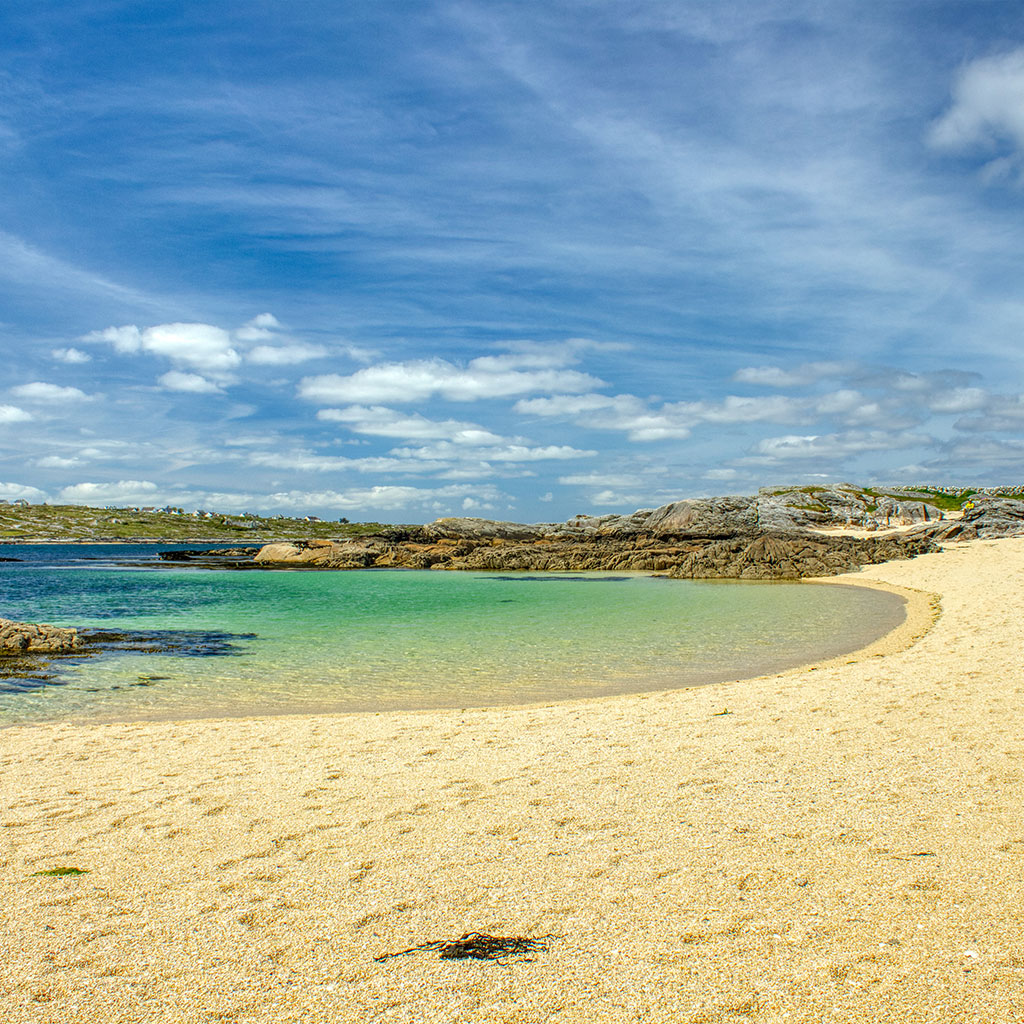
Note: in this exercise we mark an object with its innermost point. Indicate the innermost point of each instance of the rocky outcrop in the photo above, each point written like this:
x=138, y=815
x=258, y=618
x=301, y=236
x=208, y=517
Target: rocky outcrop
x=778, y=533
x=703, y=538
x=846, y=505
x=740, y=556
x=985, y=518
x=782, y=556
x=19, y=638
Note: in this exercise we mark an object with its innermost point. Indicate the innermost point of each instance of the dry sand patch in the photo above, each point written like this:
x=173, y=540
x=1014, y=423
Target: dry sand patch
x=836, y=843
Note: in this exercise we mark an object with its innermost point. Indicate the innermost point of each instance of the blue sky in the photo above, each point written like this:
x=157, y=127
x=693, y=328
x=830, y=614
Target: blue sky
x=398, y=260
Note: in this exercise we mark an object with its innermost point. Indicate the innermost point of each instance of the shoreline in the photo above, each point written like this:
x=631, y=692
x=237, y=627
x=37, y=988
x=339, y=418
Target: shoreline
x=839, y=841
x=916, y=617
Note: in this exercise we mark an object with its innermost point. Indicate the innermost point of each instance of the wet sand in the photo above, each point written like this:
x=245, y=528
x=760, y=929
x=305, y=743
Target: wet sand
x=840, y=842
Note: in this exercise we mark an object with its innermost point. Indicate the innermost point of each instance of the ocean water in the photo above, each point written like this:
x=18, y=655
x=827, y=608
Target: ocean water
x=377, y=640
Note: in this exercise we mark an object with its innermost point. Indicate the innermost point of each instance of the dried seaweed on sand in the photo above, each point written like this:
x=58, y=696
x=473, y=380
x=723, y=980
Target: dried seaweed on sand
x=478, y=946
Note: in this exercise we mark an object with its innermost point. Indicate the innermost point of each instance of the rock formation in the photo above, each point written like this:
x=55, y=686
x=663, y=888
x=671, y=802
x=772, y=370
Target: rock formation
x=19, y=638
x=986, y=518
x=765, y=536
x=779, y=533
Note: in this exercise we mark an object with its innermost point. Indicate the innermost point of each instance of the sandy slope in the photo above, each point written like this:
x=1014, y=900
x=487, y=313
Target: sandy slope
x=846, y=844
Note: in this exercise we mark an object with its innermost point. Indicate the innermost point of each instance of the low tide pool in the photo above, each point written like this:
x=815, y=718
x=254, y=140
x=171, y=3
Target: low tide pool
x=376, y=640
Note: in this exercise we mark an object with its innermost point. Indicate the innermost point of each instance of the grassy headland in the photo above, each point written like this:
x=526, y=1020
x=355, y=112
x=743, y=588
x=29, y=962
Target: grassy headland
x=77, y=523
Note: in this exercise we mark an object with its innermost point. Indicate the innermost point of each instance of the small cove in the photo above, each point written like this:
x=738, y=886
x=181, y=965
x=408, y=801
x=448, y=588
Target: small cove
x=379, y=640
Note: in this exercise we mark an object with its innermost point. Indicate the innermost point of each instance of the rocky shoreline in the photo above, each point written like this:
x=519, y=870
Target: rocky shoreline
x=789, y=534
x=775, y=534
x=31, y=654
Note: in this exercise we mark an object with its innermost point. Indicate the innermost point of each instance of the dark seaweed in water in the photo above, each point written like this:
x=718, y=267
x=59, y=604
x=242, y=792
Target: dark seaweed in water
x=19, y=673
x=186, y=643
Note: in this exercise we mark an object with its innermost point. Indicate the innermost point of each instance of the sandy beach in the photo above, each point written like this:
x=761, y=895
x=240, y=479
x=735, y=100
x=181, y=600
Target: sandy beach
x=842, y=842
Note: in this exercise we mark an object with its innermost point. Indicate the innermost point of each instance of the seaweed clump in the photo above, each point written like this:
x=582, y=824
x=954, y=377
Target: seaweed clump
x=478, y=946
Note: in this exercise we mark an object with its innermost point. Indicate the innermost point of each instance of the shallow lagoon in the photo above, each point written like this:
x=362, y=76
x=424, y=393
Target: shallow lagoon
x=378, y=640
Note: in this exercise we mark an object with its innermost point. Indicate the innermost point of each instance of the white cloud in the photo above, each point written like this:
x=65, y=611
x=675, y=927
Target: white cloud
x=128, y=491
x=56, y=462
x=39, y=391
x=800, y=376
x=987, y=110
x=176, y=380
x=259, y=328
x=301, y=461
x=384, y=422
x=387, y=498
x=959, y=400
x=610, y=498
x=12, y=414
x=14, y=492
x=739, y=409
x=671, y=421
x=198, y=346
x=600, y=480
x=420, y=379
x=721, y=474
x=625, y=413
x=70, y=355
x=126, y=340
x=839, y=445
x=574, y=405
x=1001, y=413
x=360, y=354
x=285, y=355
x=921, y=383
x=445, y=450
x=304, y=461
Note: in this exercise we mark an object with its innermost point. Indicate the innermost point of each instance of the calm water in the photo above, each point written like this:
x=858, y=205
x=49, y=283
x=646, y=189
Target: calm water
x=401, y=639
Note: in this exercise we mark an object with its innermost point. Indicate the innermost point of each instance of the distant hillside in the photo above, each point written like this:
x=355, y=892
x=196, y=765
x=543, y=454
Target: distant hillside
x=23, y=522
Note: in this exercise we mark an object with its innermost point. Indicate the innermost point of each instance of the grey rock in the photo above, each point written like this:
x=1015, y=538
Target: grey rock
x=987, y=518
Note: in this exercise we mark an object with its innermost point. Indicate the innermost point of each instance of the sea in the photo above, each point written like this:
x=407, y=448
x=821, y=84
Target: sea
x=232, y=643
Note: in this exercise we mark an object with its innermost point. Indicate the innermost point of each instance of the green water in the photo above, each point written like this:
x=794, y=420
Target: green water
x=379, y=640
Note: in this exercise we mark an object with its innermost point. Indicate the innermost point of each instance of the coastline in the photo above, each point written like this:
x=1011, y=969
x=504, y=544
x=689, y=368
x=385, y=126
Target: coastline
x=923, y=609
x=839, y=841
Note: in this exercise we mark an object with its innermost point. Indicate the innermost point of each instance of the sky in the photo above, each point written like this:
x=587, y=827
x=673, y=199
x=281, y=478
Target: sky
x=521, y=260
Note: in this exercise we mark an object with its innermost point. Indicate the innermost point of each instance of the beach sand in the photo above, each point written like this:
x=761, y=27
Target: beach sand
x=834, y=843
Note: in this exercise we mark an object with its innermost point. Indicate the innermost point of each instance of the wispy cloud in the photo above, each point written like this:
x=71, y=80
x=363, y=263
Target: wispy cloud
x=987, y=114
x=656, y=249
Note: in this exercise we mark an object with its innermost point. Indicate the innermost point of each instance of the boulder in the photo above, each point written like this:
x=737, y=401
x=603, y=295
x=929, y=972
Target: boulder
x=32, y=638
x=299, y=552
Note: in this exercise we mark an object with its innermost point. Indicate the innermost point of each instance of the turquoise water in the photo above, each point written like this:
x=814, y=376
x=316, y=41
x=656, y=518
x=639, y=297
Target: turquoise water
x=399, y=639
